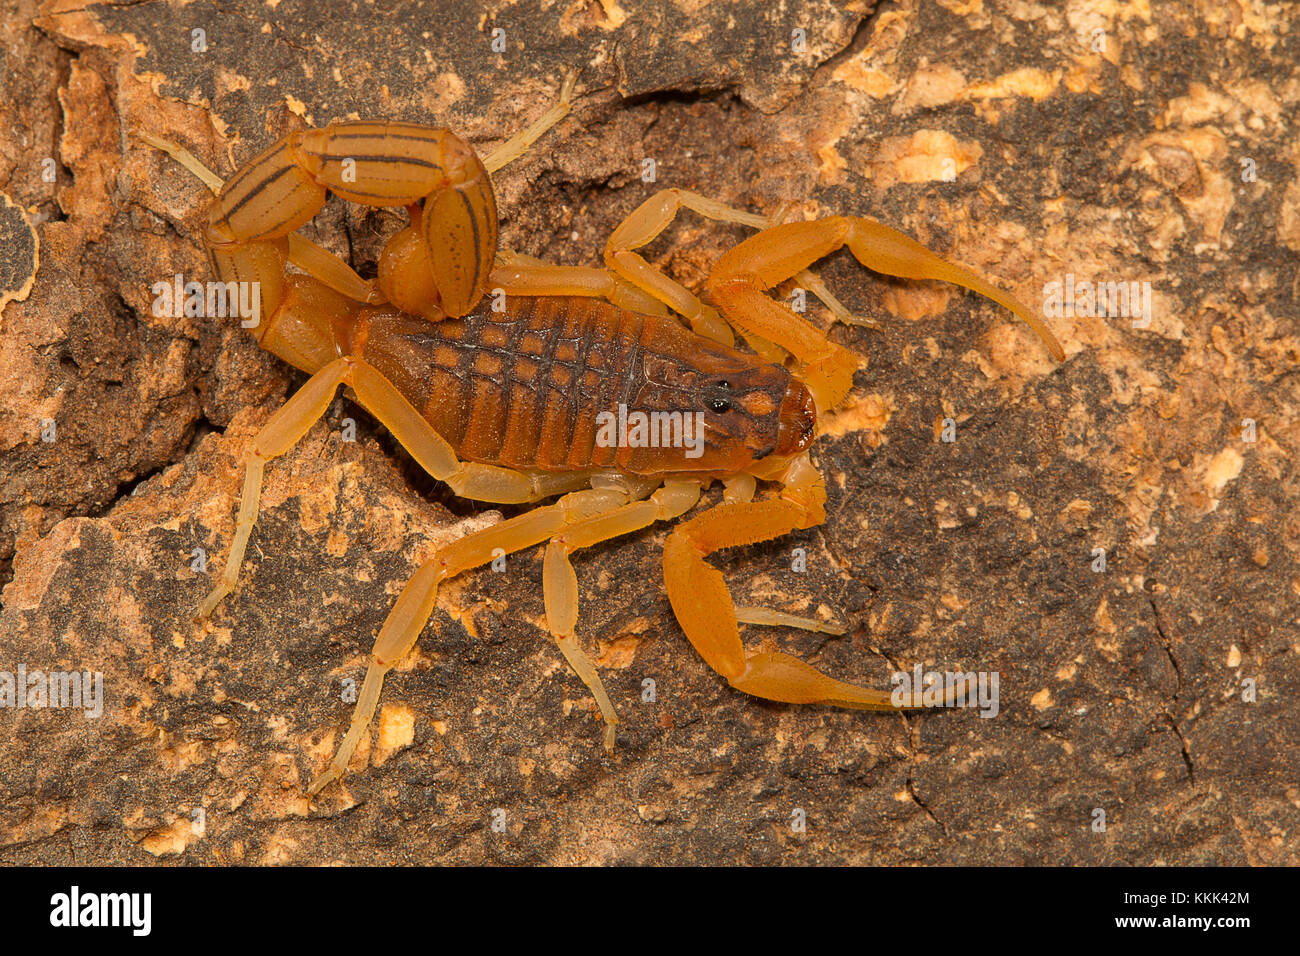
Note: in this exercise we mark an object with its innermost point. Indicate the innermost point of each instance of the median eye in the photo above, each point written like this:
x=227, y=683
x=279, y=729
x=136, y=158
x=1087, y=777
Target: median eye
x=720, y=405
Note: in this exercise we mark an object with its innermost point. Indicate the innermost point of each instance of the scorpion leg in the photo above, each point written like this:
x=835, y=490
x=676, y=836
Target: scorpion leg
x=560, y=583
x=330, y=270
x=740, y=489
x=519, y=276
x=739, y=278
x=748, y=614
x=415, y=604
x=381, y=398
x=703, y=605
x=650, y=219
x=808, y=280
x=839, y=311
x=517, y=145
x=642, y=226
x=632, y=283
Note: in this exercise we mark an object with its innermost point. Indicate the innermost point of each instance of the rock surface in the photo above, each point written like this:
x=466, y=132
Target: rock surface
x=1146, y=142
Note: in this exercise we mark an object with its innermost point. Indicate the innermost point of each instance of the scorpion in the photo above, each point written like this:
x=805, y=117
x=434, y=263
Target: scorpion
x=498, y=395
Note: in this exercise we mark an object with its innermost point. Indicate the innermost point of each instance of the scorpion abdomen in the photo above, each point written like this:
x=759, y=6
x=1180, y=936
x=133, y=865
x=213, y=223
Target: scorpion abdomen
x=544, y=383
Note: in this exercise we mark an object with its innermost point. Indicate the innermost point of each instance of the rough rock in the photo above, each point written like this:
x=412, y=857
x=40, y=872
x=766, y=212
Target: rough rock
x=1144, y=142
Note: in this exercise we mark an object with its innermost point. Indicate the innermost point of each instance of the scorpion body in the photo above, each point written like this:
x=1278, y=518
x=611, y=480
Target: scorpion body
x=503, y=400
x=527, y=386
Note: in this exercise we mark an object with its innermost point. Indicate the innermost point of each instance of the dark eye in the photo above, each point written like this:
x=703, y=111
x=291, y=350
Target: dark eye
x=720, y=405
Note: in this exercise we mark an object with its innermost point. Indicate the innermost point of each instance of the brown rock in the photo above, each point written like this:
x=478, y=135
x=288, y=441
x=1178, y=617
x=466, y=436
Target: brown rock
x=1169, y=446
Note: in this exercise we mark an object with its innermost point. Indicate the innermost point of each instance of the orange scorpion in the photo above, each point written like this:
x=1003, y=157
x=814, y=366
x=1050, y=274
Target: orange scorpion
x=493, y=369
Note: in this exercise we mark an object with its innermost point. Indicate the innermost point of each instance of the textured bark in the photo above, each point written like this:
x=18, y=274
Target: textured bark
x=1010, y=136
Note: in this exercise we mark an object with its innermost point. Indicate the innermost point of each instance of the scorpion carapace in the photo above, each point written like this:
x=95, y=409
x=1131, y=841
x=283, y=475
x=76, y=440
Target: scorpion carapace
x=504, y=402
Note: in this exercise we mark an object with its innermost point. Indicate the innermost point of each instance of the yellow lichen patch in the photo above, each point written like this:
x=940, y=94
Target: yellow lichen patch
x=319, y=751
x=1013, y=348
x=1221, y=469
x=615, y=16
x=396, y=731
x=945, y=517
x=639, y=625
x=954, y=602
x=336, y=545
x=1042, y=700
x=1234, y=656
x=1075, y=515
x=932, y=85
x=618, y=653
x=1086, y=74
x=856, y=74
x=963, y=8
x=1288, y=218
x=279, y=849
x=1253, y=20
x=171, y=840
x=917, y=300
x=873, y=70
x=281, y=789
x=866, y=413
x=1017, y=506
x=1102, y=617
x=822, y=140
x=1095, y=33
x=231, y=81
x=928, y=155
x=1202, y=104
x=832, y=165
x=1219, y=339
x=442, y=94
x=1112, y=10
x=1031, y=82
x=606, y=15
x=1191, y=163
x=279, y=727
x=176, y=759
x=464, y=616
